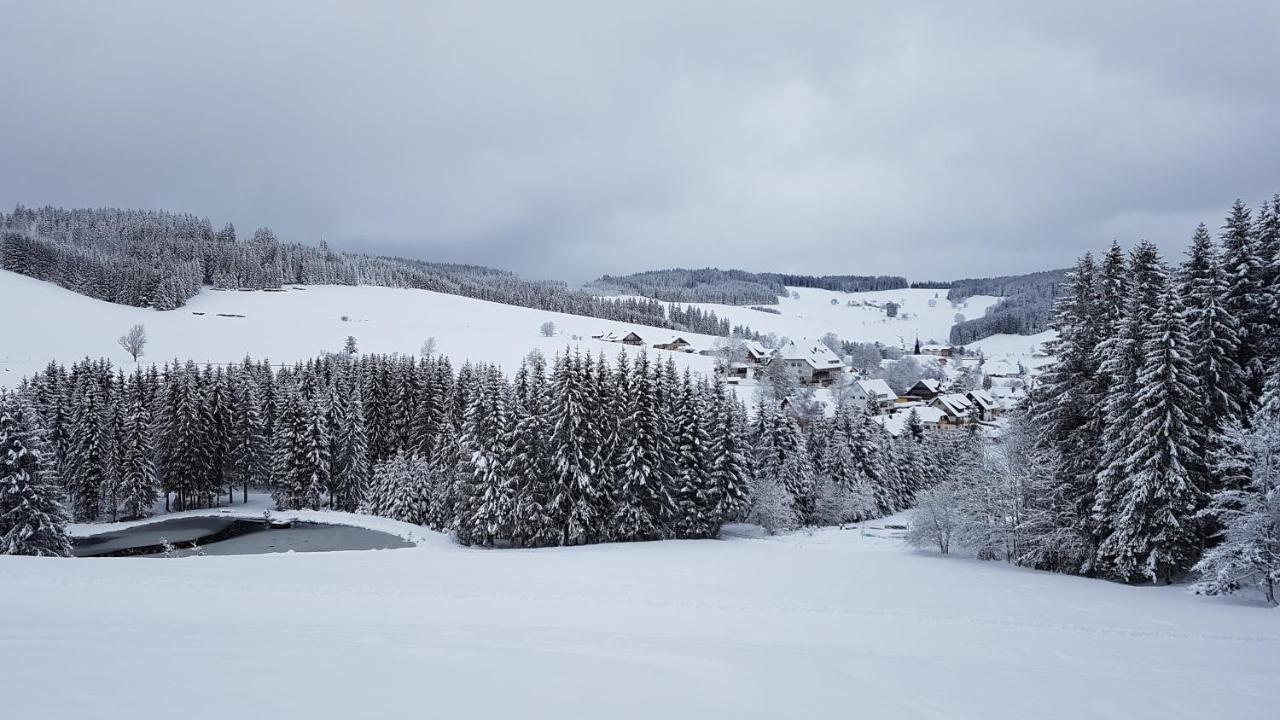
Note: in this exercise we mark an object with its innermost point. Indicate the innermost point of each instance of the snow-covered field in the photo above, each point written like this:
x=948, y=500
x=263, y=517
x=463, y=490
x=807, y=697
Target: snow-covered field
x=54, y=323
x=833, y=624
x=812, y=315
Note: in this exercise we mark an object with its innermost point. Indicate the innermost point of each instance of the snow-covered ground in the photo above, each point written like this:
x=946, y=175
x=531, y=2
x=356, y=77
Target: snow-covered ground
x=812, y=315
x=831, y=624
x=53, y=323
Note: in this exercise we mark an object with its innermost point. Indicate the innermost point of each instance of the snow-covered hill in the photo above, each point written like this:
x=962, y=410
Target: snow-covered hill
x=48, y=322
x=812, y=315
x=817, y=625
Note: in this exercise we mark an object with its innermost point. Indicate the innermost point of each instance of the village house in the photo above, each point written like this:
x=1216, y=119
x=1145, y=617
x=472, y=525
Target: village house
x=957, y=409
x=632, y=339
x=874, y=391
x=753, y=359
x=985, y=405
x=926, y=390
x=813, y=363
x=675, y=343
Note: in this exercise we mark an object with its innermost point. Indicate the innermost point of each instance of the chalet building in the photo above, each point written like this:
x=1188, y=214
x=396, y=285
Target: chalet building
x=957, y=409
x=986, y=407
x=632, y=339
x=813, y=364
x=925, y=390
x=674, y=343
x=754, y=360
x=874, y=391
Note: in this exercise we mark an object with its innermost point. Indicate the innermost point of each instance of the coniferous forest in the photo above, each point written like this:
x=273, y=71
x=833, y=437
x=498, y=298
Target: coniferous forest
x=1158, y=428
x=582, y=451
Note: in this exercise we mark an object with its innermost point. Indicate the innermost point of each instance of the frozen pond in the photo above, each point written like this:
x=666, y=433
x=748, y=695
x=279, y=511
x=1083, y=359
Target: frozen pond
x=232, y=536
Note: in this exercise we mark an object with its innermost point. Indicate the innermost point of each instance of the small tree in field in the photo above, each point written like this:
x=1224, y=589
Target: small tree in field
x=548, y=329
x=134, y=341
x=936, y=519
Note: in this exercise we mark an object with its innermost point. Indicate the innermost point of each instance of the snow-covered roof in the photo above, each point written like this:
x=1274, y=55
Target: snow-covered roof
x=756, y=349
x=817, y=355
x=877, y=388
x=929, y=384
x=983, y=399
x=953, y=404
x=897, y=422
x=671, y=340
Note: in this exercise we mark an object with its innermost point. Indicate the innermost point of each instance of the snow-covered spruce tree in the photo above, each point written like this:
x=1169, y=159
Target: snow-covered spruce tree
x=1066, y=408
x=138, y=485
x=403, y=488
x=184, y=458
x=643, y=503
x=32, y=520
x=697, y=501
x=1241, y=266
x=729, y=475
x=1267, y=236
x=89, y=457
x=487, y=496
x=1154, y=534
x=1249, y=509
x=250, y=451
x=528, y=460
x=575, y=498
x=610, y=405
x=290, y=470
x=351, y=470
x=781, y=456
x=1213, y=333
x=1121, y=358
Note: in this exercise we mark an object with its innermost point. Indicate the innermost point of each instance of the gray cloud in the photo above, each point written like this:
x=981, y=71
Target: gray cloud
x=569, y=139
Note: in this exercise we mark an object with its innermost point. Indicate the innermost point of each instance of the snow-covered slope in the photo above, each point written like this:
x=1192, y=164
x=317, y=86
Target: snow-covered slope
x=47, y=322
x=826, y=625
x=812, y=315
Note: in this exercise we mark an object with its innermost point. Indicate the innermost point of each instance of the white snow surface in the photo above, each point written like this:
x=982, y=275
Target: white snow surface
x=804, y=626
x=812, y=315
x=54, y=323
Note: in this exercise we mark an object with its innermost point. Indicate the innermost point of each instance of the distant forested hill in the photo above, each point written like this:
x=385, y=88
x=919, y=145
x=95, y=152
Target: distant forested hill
x=152, y=258
x=1025, y=308
x=733, y=287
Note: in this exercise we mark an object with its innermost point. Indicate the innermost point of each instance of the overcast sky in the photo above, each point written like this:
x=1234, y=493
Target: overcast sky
x=570, y=139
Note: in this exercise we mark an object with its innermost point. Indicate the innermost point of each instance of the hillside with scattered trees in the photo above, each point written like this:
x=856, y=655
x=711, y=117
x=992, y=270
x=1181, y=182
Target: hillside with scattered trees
x=159, y=259
x=733, y=287
x=1025, y=308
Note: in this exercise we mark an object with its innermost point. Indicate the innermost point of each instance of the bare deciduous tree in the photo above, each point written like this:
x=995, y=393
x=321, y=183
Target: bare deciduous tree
x=548, y=329
x=134, y=341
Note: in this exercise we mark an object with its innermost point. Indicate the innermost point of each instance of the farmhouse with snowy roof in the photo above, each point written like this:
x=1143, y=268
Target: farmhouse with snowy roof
x=926, y=389
x=874, y=391
x=813, y=363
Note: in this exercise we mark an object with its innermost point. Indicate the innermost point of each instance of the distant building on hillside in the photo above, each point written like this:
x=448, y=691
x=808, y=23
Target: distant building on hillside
x=675, y=343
